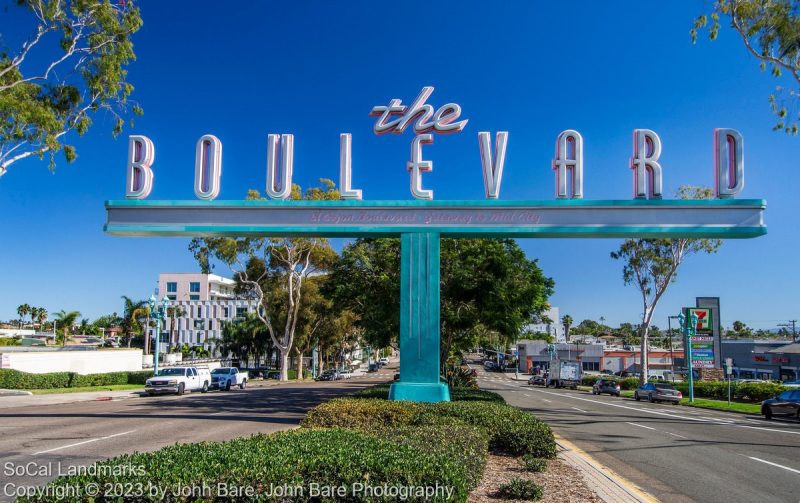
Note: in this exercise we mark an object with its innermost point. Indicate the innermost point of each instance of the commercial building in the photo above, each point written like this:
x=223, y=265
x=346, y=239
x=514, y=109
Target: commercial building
x=596, y=357
x=553, y=327
x=202, y=303
x=763, y=359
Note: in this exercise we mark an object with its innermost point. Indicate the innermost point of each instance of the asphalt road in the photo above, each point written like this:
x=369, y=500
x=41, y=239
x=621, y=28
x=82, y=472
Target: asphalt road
x=676, y=453
x=55, y=437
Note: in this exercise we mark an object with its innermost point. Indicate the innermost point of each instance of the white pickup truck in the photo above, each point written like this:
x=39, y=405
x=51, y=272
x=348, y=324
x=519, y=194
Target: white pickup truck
x=178, y=380
x=224, y=378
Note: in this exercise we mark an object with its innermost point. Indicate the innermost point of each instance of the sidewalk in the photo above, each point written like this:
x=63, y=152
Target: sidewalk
x=606, y=483
x=29, y=400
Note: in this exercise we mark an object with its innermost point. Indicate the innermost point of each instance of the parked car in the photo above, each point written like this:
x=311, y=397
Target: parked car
x=328, y=375
x=272, y=374
x=607, y=372
x=785, y=404
x=397, y=376
x=657, y=392
x=226, y=377
x=178, y=380
x=384, y=361
x=610, y=386
x=489, y=365
x=538, y=380
x=792, y=384
x=344, y=374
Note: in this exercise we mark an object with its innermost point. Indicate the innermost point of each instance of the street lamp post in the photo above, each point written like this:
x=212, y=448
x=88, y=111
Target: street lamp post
x=689, y=331
x=159, y=313
x=671, y=358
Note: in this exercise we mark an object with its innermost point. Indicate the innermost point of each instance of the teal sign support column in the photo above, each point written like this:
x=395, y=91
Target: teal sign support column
x=419, y=320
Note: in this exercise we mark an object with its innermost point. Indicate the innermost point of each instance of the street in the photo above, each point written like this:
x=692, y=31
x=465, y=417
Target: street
x=676, y=453
x=36, y=442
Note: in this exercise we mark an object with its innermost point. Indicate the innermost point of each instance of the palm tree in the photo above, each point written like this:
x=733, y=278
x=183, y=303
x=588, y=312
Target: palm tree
x=174, y=312
x=566, y=320
x=66, y=320
x=23, y=311
x=41, y=317
x=133, y=310
x=34, y=313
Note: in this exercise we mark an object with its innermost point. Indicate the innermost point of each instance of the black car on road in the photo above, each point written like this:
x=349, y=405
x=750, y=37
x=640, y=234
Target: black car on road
x=785, y=404
x=610, y=386
x=657, y=392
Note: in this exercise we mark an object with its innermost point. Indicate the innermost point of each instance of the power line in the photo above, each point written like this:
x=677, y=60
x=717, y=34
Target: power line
x=794, y=329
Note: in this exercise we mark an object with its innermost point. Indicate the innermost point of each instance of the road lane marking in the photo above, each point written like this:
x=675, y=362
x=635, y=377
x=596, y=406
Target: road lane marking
x=579, y=410
x=526, y=394
x=84, y=442
x=546, y=400
x=639, y=425
x=667, y=414
x=676, y=435
x=774, y=464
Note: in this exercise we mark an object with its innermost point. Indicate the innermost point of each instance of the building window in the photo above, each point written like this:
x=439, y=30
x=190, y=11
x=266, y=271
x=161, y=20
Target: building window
x=226, y=313
x=172, y=297
x=199, y=312
x=210, y=324
x=241, y=312
x=194, y=287
x=172, y=287
x=194, y=297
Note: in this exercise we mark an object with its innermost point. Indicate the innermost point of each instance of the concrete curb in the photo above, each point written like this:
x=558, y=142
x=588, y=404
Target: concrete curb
x=610, y=486
x=14, y=392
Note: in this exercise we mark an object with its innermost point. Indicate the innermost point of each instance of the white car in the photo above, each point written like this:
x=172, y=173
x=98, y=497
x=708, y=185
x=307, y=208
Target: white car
x=344, y=374
x=384, y=361
x=226, y=377
x=179, y=380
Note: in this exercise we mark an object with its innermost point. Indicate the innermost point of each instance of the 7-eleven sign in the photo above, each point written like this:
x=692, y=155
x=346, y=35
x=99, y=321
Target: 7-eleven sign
x=703, y=318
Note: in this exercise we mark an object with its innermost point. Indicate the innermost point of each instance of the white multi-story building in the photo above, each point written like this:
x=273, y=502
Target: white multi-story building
x=204, y=302
x=555, y=328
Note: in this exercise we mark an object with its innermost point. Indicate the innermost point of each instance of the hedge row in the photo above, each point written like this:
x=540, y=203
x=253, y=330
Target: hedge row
x=15, y=379
x=510, y=430
x=742, y=391
x=626, y=383
x=450, y=456
x=456, y=394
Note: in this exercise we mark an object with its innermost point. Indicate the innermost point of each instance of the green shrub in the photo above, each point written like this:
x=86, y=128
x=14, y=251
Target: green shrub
x=589, y=380
x=460, y=377
x=10, y=341
x=534, y=464
x=362, y=413
x=456, y=394
x=293, y=458
x=510, y=430
x=742, y=391
x=15, y=379
x=521, y=489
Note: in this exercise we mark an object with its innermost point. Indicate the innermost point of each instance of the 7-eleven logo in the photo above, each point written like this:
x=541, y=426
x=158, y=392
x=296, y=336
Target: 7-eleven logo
x=703, y=318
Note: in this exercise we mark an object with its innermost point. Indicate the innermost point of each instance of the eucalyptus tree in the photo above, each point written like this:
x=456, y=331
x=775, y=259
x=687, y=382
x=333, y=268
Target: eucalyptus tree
x=71, y=66
x=770, y=31
x=272, y=271
x=651, y=265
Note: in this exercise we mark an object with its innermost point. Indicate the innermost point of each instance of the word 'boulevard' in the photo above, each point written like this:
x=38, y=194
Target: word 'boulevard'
x=395, y=118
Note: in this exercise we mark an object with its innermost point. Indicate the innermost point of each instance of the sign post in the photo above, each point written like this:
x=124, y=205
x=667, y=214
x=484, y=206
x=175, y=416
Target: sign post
x=422, y=222
x=689, y=328
x=729, y=372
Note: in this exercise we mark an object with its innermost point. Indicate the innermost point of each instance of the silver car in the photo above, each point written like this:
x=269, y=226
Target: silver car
x=657, y=392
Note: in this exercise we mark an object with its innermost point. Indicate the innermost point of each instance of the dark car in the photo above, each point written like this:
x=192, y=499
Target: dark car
x=785, y=404
x=538, y=380
x=610, y=386
x=397, y=376
x=657, y=392
x=328, y=375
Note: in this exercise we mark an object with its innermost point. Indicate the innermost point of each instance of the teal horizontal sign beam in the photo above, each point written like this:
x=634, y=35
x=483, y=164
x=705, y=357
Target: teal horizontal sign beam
x=718, y=218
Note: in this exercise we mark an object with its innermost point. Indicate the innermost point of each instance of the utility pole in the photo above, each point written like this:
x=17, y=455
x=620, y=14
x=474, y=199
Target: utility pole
x=794, y=329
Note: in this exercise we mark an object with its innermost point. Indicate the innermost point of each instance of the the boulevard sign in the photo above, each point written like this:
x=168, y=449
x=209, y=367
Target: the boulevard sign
x=421, y=222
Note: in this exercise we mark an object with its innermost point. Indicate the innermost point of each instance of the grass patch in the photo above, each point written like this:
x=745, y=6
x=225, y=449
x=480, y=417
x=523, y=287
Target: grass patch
x=747, y=408
x=82, y=389
x=626, y=394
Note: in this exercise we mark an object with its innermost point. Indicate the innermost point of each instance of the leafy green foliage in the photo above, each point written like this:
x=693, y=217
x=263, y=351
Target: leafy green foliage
x=456, y=394
x=460, y=377
x=744, y=391
x=15, y=379
x=521, y=489
x=770, y=31
x=72, y=66
x=534, y=464
x=510, y=430
x=297, y=458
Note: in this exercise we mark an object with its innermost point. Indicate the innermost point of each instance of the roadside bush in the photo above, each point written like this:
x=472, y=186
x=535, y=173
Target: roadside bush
x=521, y=489
x=10, y=341
x=510, y=430
x=628, y=383
x=743, y=391
x=534, y=464
x=456, y=394
x=15, y=379
x=293, y=459
x=589, y=380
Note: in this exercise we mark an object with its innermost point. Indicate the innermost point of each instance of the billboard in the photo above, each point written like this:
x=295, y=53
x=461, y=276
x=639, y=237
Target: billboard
x=702, y=344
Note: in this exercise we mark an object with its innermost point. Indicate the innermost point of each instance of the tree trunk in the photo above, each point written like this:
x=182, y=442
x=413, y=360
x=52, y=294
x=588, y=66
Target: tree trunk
x=299, y=364
x=284, y=364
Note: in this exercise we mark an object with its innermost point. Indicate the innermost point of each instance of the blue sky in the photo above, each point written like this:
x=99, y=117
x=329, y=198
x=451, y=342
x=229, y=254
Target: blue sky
x=316, y=69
